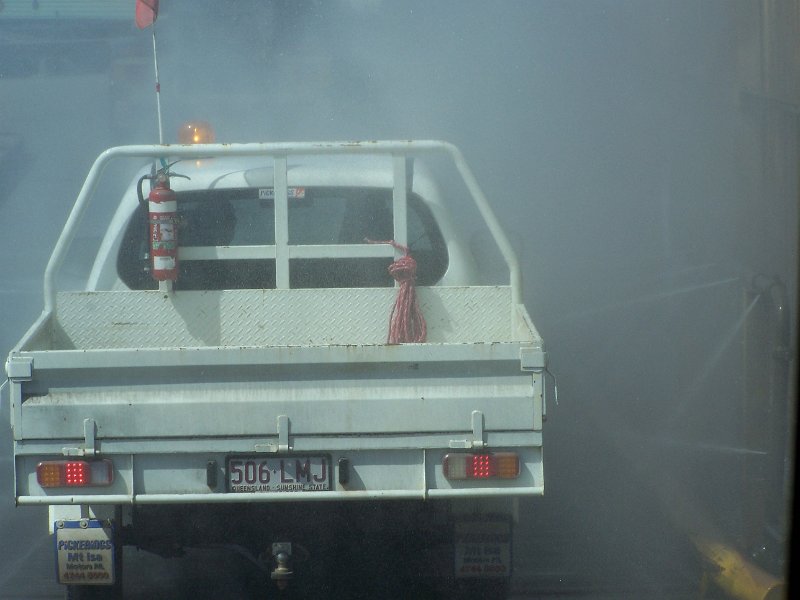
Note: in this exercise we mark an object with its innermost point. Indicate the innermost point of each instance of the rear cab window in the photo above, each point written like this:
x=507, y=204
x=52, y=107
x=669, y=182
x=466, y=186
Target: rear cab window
x=317, y=215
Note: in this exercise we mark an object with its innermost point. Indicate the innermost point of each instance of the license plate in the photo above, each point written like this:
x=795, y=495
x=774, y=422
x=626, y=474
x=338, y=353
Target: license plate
x=84, y=552
x=248, y=474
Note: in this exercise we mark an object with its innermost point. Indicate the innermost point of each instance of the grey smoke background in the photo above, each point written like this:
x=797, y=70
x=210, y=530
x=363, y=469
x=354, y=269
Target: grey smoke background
x=629, y=148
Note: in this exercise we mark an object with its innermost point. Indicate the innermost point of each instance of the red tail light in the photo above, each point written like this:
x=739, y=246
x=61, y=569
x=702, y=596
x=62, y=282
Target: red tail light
x=77, y=473
x=501, y=465
x=74, y=473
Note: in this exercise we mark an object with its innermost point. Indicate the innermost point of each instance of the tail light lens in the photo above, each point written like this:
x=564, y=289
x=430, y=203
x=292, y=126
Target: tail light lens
x=74, y=473
x=500, y=465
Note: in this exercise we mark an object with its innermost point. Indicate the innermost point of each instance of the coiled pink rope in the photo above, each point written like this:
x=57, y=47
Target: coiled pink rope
x=406, y=323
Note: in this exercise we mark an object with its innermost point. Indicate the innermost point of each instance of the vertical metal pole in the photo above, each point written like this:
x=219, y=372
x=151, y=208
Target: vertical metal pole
x=399, y=200
x=281, y=224
x=15, y=396
x=515, y=274
x=158, y=88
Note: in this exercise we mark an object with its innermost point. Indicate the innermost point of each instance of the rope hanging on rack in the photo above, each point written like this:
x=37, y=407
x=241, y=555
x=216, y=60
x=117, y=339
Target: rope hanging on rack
x=406, y=323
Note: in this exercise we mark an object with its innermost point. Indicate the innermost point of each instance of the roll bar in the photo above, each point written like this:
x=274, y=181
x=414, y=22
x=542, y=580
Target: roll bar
x=402, y=151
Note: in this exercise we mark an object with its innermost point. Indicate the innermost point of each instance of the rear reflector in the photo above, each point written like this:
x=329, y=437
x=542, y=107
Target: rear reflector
x=74, y=473
x=501, y=465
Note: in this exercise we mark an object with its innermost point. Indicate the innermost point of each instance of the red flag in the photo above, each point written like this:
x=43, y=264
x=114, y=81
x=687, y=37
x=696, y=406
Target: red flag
x=146, y=13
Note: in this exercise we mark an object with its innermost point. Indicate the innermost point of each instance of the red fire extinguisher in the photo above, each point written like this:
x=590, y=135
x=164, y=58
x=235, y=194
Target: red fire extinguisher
x=163, y=217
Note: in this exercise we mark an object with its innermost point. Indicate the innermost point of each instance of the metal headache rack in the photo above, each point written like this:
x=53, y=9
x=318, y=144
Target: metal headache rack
x=402, y=153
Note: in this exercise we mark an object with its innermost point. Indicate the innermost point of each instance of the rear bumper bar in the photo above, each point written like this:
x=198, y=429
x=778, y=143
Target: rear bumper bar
x=201, y=478
x=278, y=497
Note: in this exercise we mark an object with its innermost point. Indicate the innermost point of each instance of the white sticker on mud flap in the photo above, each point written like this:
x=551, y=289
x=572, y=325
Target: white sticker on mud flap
x=482, y=549
x=84, y=552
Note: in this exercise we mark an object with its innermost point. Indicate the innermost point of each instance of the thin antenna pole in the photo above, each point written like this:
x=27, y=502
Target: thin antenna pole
x=158, y=88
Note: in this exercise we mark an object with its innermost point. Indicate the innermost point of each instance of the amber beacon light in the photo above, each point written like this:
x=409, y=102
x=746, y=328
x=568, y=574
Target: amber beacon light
x=196, y=132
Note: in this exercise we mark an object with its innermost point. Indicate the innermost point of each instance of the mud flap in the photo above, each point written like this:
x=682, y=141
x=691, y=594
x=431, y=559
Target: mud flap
x=84, y=552
x=483, y=548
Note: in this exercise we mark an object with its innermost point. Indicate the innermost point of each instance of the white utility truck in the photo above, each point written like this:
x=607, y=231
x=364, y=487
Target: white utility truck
x=224, y=379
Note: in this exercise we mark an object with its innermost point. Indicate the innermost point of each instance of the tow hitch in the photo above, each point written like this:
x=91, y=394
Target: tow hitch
x=282, y=559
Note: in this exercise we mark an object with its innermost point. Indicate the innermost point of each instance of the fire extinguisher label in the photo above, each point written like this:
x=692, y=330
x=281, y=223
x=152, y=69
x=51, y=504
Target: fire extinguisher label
x=166, y=232
x=164, y=263
x=163, y=207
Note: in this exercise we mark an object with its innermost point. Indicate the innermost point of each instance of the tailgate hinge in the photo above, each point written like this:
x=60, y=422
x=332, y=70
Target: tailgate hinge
x=477, y=429
x=477, y=433
x=532, y=359
x=283, y=438
x=89, y=441
x=283, y=433
x=19, y=368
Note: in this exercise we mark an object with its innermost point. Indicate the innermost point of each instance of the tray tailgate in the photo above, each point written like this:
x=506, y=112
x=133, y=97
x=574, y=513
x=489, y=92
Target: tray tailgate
x=325, y=407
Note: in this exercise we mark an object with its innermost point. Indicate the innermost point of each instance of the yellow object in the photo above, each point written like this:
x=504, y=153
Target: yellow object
x=734, y=575
x=48, y=475
x=196, y=132
x=507, y=465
